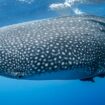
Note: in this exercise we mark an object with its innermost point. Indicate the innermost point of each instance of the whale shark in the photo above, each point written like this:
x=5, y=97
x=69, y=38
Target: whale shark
x=60, y=48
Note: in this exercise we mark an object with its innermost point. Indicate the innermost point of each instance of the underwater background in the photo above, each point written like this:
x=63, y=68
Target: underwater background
x=62, y=92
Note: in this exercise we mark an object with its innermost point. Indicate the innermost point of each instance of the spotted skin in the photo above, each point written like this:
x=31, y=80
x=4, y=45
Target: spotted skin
x=64, y=48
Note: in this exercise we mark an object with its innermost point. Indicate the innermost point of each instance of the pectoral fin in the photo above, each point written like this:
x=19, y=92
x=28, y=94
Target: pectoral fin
x=88, y=79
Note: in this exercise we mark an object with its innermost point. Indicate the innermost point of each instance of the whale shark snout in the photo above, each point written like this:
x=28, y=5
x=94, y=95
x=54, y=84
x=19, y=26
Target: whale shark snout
x=58, y=48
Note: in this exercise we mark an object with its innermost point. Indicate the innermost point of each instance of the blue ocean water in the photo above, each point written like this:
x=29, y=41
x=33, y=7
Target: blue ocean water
x=70, y=92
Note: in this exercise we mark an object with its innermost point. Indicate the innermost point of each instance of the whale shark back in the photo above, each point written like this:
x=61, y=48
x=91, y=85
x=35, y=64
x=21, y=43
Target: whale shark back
x=59, y=48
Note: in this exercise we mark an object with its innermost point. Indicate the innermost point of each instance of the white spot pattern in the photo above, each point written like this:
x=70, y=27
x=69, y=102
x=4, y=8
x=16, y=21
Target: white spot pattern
x=52, y=45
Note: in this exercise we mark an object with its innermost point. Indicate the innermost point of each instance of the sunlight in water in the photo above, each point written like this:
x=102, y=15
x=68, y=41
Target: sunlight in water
x=26, y=1
x=72, y=6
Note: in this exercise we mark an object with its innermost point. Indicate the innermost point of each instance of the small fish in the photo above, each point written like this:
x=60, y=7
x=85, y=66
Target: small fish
x=63, y=48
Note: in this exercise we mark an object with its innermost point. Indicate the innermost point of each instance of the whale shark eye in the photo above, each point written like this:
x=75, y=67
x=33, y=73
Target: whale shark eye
x=18, y=74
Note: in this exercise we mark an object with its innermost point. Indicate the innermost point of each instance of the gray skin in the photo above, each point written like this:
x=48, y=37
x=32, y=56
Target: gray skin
x=58, y=48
